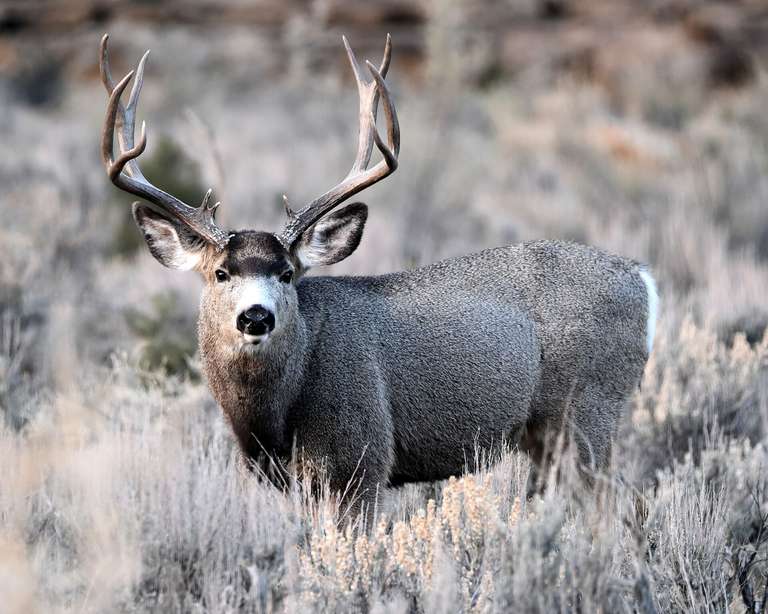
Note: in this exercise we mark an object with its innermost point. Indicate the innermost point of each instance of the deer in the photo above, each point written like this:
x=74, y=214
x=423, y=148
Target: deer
x=396, y=378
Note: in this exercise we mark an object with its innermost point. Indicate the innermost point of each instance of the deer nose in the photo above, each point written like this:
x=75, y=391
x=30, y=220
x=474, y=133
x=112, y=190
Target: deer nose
x=256, y=320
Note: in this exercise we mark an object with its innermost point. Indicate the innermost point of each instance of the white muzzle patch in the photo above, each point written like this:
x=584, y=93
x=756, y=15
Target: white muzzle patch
x=257, y=292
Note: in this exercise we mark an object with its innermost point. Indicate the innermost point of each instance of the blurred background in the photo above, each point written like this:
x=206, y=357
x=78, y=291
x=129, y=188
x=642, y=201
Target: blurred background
x=639, y=127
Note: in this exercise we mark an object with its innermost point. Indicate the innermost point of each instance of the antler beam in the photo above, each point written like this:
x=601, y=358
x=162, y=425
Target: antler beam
x=124, y=171
x=358, y=177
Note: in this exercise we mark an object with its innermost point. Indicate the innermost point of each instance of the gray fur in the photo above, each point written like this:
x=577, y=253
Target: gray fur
x=404, y=374
x=397, y=378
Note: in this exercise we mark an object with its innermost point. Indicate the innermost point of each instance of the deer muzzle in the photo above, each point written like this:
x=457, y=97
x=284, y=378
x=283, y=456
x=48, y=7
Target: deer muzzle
x=257, y=321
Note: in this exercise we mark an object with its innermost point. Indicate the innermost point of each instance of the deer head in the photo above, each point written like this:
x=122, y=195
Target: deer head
x=250, y=276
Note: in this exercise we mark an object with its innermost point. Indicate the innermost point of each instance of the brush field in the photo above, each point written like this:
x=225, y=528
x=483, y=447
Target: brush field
x=119, y=489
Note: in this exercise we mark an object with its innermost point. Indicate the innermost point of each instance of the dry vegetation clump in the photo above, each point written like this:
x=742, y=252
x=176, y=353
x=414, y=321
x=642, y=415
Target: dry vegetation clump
x=120, y=489
x=461, y=532
x=698, y=388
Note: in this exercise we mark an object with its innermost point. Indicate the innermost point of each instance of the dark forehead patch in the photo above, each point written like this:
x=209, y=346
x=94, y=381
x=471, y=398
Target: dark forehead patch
x=252, y=252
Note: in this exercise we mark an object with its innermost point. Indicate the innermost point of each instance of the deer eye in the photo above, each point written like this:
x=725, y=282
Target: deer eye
x=221, y=275
x=286, y=276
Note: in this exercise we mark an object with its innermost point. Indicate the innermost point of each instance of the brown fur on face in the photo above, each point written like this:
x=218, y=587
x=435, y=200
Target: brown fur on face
x=248, y=252
x=251, y=260
x=210, y=260
x=255, y=269
x=238, y=373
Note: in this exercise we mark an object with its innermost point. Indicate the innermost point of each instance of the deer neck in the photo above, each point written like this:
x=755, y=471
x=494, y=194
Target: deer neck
x=256, y=387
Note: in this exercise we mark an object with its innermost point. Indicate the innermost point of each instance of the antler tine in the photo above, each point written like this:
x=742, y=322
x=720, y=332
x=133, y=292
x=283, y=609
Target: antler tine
x=199, y=220
x=115, y=166
x=358, y=177
x=106, y=74
x=384, y=66
x=353, y=62
x=369, y=99
x=127, y=118
x=393, y=125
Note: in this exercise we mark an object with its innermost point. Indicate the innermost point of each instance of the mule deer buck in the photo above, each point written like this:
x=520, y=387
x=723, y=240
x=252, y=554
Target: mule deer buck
x=397, y=378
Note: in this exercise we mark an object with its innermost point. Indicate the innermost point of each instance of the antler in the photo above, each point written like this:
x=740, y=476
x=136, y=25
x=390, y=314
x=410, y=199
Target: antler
x=358, y=177
x=123, y=170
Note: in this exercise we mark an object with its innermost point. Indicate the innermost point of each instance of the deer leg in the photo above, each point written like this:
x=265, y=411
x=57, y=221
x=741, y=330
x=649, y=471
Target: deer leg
x=587, y=427
x=362, y=506
x=594, y=422
x=539, y=442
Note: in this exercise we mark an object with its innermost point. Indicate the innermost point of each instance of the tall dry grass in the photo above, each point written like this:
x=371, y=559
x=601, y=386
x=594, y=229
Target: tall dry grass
x=119, y=487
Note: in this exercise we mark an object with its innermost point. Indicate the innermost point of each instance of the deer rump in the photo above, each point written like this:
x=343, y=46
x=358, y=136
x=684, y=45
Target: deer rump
x=412, y=373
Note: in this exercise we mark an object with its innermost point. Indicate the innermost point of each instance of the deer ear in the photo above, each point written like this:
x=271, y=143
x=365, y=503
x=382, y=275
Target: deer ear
x=171, y=245
x=333, y=238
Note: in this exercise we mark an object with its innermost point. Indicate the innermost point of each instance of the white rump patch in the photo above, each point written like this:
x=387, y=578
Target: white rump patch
x=653, y=306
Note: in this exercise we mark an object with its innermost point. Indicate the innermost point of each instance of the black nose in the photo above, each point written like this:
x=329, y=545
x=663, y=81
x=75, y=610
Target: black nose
x=256, y=320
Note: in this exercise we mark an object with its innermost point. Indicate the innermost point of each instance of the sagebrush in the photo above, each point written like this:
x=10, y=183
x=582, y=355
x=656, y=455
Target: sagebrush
x=120, y=488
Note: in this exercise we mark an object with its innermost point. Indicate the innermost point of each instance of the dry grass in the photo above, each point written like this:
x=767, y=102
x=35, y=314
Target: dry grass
x=120, y=490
